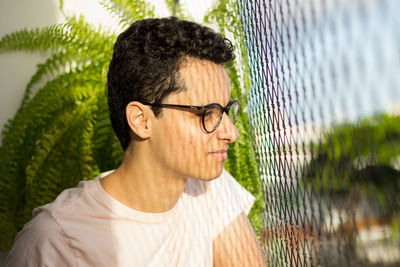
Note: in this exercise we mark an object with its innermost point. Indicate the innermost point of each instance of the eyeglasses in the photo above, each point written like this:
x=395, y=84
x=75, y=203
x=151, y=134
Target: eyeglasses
x=211, y=114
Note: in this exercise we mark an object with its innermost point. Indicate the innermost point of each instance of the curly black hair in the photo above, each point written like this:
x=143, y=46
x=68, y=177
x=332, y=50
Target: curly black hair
x=146, y=61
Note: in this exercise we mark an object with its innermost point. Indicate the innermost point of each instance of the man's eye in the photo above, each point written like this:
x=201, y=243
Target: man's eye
x=209, y=115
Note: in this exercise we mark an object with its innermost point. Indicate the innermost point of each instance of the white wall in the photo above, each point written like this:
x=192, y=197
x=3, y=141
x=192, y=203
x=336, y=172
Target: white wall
x=16, y=68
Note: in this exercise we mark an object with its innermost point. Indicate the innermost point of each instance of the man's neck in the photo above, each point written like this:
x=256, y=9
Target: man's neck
x=140, y=185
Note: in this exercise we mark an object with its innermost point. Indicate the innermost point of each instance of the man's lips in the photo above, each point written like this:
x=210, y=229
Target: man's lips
x=220, y=154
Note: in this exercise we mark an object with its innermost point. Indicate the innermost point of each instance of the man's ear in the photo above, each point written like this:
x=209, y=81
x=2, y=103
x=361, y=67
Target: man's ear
x=137, y=116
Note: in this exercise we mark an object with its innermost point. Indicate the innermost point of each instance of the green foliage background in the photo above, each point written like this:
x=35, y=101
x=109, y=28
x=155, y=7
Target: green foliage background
x=359, y=161
x=62, y=134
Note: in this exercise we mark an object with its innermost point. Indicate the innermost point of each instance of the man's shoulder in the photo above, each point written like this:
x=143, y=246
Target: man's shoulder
x=40, y=228
x=46, y=239
x=46, y=225
x=67, y=200
x=41, y=241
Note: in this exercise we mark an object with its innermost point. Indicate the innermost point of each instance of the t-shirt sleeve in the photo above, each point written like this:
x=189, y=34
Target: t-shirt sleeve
x=41, y=243
x=228, y=199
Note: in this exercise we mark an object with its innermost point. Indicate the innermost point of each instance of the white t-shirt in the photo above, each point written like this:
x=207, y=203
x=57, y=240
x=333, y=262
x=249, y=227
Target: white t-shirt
x=85, y=226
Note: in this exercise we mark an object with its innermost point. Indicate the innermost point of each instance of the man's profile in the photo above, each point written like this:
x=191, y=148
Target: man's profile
x=170, y=202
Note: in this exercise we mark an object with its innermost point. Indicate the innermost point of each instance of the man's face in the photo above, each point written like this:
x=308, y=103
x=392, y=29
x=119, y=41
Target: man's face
x=180, y=144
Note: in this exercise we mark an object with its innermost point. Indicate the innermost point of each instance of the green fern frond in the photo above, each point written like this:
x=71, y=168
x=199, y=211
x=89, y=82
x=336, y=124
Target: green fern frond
x=128, y=11
x=46, y=143
x=107, y=149
x=84, y=36
x=75, y=34
x=71, y=59
x=54, y=134
x=47, y=38
x=55, y=64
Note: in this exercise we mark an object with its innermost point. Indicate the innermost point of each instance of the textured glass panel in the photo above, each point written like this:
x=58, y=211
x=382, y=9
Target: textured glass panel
x=324, y=108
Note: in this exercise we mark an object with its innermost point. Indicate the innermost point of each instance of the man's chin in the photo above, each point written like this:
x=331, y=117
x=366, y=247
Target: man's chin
x=211, y=175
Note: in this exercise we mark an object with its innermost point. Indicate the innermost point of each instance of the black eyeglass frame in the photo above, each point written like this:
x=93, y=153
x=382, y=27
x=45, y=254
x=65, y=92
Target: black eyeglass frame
x=202, y=110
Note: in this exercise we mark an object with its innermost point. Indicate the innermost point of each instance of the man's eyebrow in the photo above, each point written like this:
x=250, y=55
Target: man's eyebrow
x=218, y=102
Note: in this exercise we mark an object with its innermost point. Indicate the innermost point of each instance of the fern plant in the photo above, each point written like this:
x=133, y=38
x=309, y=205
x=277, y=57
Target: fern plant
x=62, y=134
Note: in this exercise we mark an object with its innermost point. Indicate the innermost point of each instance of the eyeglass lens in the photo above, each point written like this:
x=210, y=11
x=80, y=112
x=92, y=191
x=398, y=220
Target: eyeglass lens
x=233, y=111
x=213, y=116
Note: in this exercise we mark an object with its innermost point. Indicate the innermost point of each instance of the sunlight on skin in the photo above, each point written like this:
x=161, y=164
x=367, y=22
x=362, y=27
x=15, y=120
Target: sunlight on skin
x=240, y=243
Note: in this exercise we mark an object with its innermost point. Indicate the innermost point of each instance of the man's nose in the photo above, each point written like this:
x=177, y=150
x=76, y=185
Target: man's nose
x=227, y=129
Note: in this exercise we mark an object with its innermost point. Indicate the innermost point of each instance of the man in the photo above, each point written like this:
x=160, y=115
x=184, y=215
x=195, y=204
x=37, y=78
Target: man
x=170, y=202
